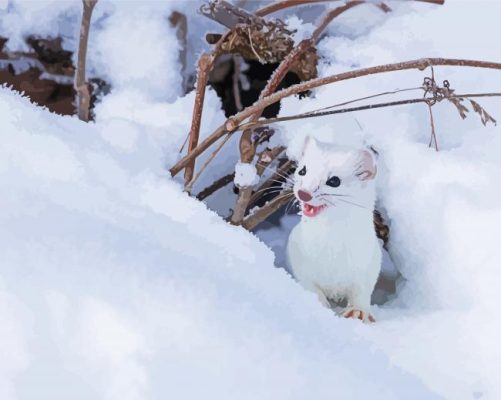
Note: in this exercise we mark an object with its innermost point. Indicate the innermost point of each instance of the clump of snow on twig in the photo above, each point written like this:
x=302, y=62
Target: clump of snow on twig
x=245, y=174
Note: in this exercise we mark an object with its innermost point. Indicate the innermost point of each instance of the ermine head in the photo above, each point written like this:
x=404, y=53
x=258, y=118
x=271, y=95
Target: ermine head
x=330, y=176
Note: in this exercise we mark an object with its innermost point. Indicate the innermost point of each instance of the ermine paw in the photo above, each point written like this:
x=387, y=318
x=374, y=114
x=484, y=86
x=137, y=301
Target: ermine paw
x=359, y=314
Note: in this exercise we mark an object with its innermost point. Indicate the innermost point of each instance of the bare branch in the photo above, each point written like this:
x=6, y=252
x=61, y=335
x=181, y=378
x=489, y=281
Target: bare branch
x=233, y=123
x=330, y=15
x=189, y=186
x=204, y=67
x=384, y=7
x=251, y=221
x=433, y=138
x=237, y=60
x=283, y=4
x=244, y=196
x=452, y=98
x=420, y=64
x=220, y=183
x=81, y=86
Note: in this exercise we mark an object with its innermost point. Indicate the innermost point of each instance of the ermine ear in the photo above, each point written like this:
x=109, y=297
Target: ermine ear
x=365, y=168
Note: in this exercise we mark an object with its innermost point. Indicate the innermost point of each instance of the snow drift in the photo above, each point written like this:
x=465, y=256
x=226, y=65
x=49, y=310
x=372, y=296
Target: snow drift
x=116, y=285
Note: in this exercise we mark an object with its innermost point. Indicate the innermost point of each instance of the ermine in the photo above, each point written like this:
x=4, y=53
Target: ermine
x=334, y=250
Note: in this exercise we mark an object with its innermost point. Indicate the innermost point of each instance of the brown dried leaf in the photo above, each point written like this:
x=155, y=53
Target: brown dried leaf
x=459, y=105
x=484, y=115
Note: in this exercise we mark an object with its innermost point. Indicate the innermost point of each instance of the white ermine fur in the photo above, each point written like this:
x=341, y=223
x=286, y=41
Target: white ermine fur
x=334, y=250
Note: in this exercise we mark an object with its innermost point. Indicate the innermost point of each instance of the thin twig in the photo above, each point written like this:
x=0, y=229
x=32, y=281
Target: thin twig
x=205, y=65
x=189, y=187
x=251, y=221
x=216, y=185
x=433, y=137
x=283, y=4
x=270, y=182
x=236, y=80
x=81, y=86
x=252, y=125
x=179, y=21
x=420, y=64
x=234, y=122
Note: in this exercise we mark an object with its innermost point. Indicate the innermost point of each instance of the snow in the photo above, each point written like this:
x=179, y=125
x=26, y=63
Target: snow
x=301, y=29
x=114, y=284
x=136, y=24
x=443, y=208
x=245, y=174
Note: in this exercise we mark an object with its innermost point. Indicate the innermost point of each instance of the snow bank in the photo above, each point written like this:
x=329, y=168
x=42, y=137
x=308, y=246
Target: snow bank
x=115, y=284
x=444, y=208
x=131, y=43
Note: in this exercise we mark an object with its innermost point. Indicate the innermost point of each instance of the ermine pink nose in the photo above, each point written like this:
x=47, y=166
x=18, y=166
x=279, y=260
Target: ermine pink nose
x=305, y=196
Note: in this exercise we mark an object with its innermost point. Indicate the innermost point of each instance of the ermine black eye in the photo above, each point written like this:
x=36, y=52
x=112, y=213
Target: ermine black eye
x=303, y=171
x=333, y=181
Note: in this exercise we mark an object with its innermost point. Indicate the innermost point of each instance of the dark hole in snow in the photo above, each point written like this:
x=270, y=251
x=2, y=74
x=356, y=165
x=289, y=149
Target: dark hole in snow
x=254, y=80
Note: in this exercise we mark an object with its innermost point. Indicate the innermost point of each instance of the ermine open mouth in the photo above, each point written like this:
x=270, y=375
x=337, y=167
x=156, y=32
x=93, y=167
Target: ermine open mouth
x=312, y=211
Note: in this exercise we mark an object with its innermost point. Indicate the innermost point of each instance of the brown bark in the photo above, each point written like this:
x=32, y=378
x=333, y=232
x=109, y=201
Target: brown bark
x=204, y=66
x=81, y=86
x=216, y=185
x=251, y=221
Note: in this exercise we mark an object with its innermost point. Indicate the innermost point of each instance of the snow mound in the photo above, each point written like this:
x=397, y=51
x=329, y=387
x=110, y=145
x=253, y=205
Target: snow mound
x=444, y=209
x=116, y=285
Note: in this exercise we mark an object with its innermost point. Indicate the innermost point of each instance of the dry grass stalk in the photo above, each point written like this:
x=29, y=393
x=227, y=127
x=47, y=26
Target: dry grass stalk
x=283, y=4
x=81, y=86
x=454, y=99
x=433, y=138
x=190, y=184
